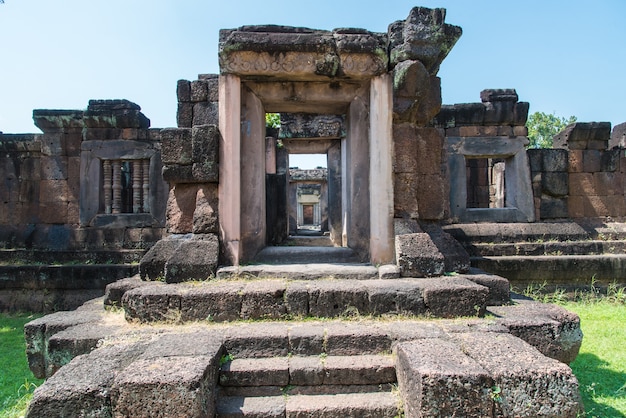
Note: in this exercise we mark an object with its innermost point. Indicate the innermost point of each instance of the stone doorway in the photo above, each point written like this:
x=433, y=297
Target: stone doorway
x=291, y=74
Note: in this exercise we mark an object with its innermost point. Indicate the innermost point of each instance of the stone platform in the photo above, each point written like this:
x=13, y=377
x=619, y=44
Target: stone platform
x=566, y=254
x=345, y=356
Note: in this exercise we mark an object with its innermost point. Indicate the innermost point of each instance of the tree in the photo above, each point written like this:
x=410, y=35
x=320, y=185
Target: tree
x=543, y=126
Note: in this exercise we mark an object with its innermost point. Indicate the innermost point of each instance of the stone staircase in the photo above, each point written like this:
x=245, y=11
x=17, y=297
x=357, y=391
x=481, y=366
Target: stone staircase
x=564, y=254
x=309, y=384
x=100, y=364
x=307, y=340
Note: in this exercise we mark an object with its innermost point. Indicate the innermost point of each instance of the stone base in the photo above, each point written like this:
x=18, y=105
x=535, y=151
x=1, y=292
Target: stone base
x=107, y=367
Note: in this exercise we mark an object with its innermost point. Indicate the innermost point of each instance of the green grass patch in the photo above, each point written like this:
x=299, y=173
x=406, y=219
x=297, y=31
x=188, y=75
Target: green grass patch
x=601, y=363
x=17, y=383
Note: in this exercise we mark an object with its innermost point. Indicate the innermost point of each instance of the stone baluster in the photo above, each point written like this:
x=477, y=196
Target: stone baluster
x=117, y=187
x=106, y=169
x=146, y=186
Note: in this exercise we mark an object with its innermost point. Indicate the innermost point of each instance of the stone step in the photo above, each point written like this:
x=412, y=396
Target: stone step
x=562, y=270
x=303, y=271
x=555, y=248
x=307, y=241
x=307, y=255
x=51, y=257
x=229, y=300
x=105, y=366
x=482, y=374
x=281, y=372
x=48, y=288
x=579, y=230
x=370, y=405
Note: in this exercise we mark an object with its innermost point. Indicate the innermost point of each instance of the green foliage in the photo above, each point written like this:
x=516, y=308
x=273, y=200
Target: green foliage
x=272, y=120
x=542, y=127
x=16, y=380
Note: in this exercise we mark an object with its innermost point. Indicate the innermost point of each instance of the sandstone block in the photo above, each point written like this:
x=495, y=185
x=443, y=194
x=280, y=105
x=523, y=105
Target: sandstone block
x=596, y=206
x=555, y=183
x=183, y=90
x=212, y=81
x=152, y=265
x=520, y=116
x=405, y=195
x=199, y=91
x=450, y=297
x=114, y=291
x=176, y=146
x=255, y=372
x=418, y=256
x=194, y=259
x=499, y=113
x=433, y=197
x=350, y=340
x=174, y=173
x=592, y=161
x=82, y=387
x=553, y=208
x=579, y=135
x=456, y=259
x=554, y=160
x=205, y=218
x=609, y=160
x=575, y=206
x=205, y=153
x=184, y=115
x=581, y=184
x=535, y=160
x=181, y=205
x=499, y=95
x=522, y=373
x=499, y=287
x=179, y=386
x=437, y=379
x=575, y=161
x=405, y=148
x=423, y=37
x=618, y=136
x=218, y=303
x=302, y=125
x=54, y=168
x=205, y=113
x=263, y=299
x=606, y=184
x=464, y=114
x=417, y=94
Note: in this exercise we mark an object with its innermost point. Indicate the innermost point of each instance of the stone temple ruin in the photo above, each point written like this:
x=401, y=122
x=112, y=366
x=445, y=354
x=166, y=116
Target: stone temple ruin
x=384, y=308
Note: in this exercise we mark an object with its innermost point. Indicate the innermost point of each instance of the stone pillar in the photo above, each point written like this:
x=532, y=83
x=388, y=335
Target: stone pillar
x=230, y=166
x=358, y=166
x=253, y=211
x=381, y=171
x=334, y=193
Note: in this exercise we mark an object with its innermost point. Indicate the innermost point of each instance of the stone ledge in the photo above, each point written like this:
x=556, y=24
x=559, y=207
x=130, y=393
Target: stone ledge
x=239, y=299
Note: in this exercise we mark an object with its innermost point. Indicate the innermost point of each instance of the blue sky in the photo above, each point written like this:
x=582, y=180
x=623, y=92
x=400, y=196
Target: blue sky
x=567, y=57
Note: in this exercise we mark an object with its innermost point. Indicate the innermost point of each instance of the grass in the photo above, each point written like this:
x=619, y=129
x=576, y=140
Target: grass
x=600, y=366
x=601, y=363
x=17, y=383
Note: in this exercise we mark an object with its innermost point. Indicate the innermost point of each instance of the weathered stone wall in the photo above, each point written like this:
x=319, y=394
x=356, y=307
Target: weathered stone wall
x=43, y=181
x=581, y=177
